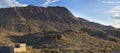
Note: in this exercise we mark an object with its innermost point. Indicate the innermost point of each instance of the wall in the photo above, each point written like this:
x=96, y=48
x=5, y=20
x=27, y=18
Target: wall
x=21, y=48
x=5, y=49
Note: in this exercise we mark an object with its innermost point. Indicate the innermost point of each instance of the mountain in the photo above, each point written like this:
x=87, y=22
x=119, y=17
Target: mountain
x=32, y=18
x=55, y=27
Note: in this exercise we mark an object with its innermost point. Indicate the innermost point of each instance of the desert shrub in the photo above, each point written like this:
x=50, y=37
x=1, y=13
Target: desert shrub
x=36, y=51
x=113, y=39
x=108, y=49
x=29, y=48
x=26, y=51
x=46, y=45
x=59, y=45
x=53, y=50
x=117, y=48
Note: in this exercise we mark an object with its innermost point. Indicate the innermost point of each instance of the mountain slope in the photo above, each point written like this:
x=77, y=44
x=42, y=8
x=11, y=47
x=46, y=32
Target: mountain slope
x=31, y=18
x=55, y=27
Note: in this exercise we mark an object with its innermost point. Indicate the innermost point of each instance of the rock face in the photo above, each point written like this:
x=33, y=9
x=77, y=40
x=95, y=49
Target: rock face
x=33, y=18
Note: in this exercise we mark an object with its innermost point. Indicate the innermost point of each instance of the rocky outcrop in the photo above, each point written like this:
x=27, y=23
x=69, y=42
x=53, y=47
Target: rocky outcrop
x=34, y=18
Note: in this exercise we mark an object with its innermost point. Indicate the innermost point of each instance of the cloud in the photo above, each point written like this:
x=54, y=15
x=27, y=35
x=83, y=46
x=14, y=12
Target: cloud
x=117, y=25
x=115, y=12
x=10, y=3
x=110, y=1
x=49, y=2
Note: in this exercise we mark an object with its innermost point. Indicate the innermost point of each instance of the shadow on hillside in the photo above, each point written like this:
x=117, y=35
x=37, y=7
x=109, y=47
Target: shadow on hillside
x=38, y=39
x=111, y=36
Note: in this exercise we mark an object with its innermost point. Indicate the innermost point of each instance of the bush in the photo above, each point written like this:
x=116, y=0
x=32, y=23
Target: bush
x=109, y=49
x=26, y=51
x=36, y=51
x=29, y=48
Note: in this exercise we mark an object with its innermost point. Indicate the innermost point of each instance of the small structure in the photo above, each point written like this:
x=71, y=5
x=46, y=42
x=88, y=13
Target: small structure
x=19, y=48
x=5, y=49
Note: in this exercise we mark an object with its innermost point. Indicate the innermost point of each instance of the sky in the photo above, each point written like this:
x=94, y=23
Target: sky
x=105, y=12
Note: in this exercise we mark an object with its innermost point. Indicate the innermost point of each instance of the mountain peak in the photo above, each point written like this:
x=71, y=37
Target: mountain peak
x=21, y=17
x=30, y=5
